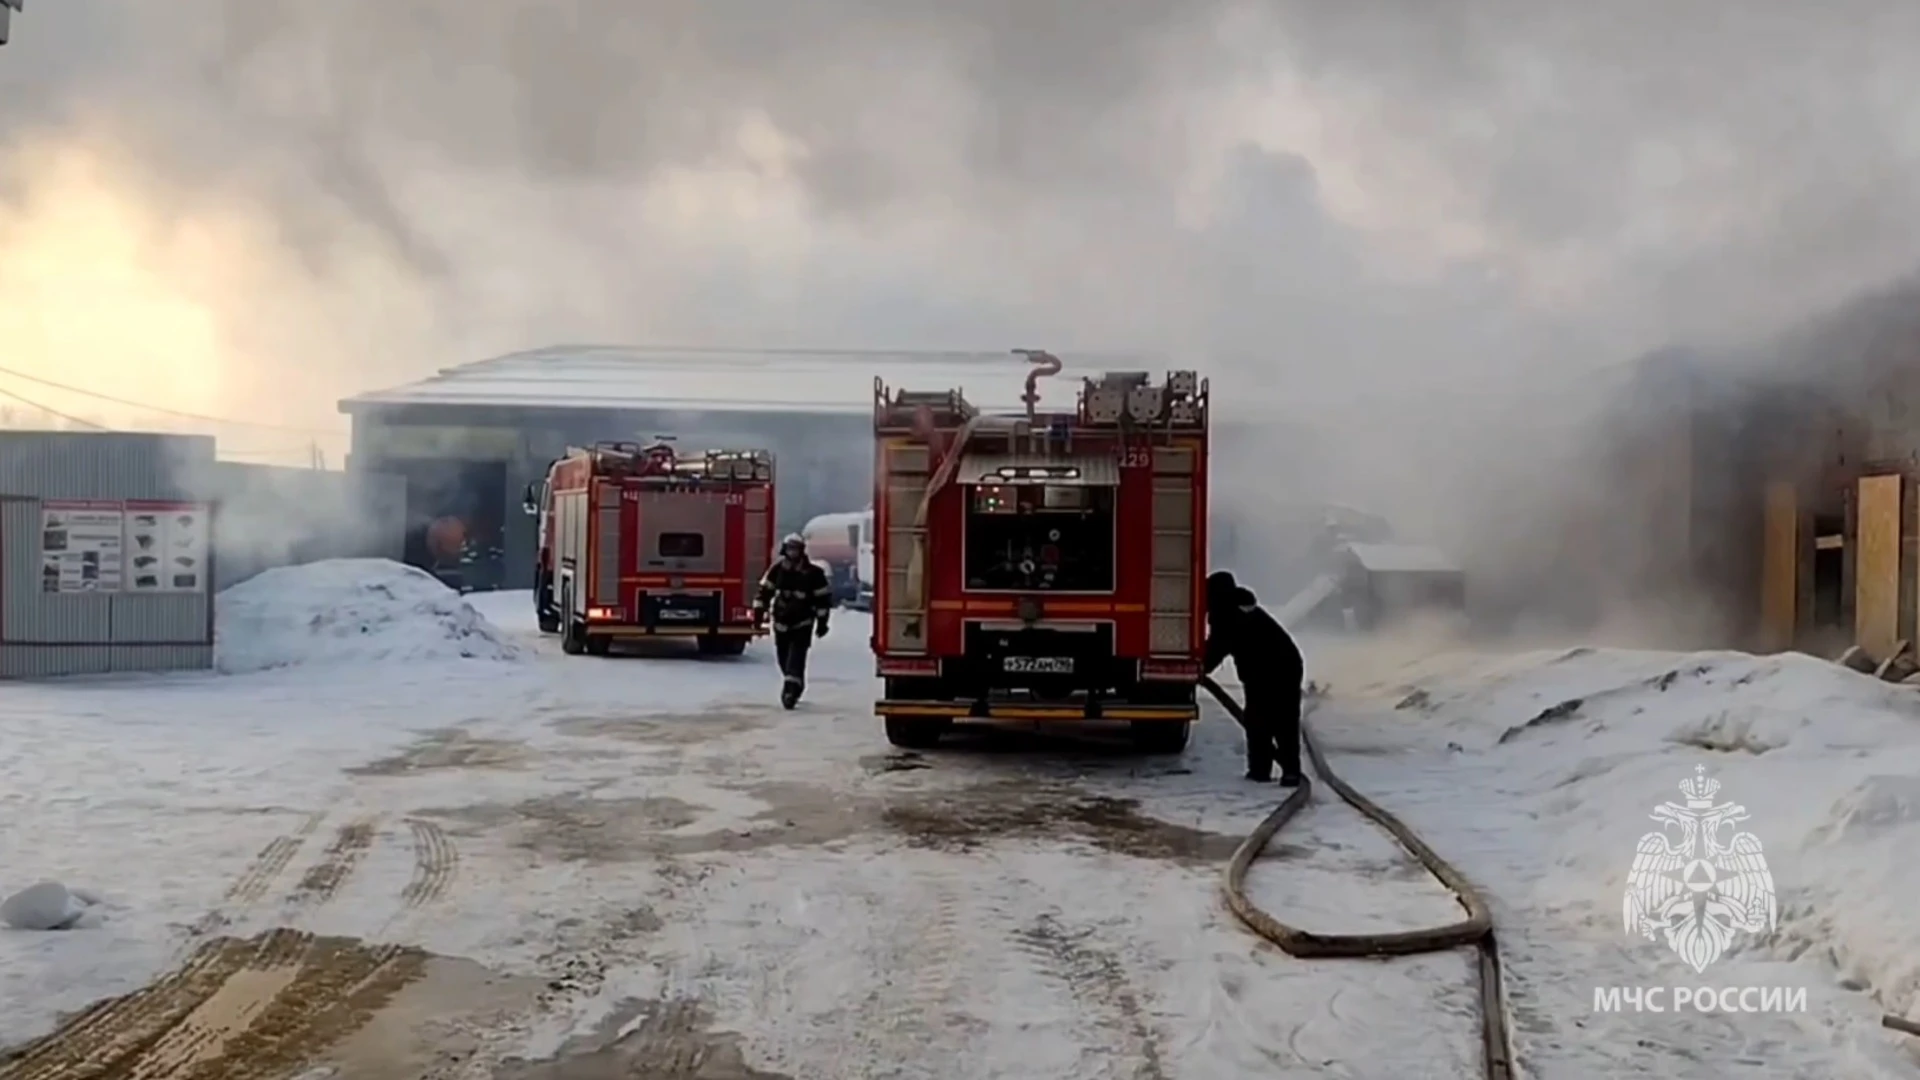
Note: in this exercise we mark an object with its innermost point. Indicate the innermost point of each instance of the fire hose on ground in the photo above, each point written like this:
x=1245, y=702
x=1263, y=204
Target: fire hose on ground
x=1475, y=931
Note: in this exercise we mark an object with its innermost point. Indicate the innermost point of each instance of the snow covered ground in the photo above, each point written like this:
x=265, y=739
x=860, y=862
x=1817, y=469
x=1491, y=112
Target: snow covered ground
x=603, y=867
x=1536, y=774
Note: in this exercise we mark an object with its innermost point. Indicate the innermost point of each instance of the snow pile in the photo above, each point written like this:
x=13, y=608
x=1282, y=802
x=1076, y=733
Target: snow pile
x=50, y=906
x=1582, y=744
x=350, y=612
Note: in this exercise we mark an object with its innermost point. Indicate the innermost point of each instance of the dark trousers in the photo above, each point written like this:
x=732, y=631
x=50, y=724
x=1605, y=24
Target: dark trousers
x=790, y=648
x=1273, y=727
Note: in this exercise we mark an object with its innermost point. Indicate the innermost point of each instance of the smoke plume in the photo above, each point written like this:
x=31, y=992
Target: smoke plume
x=1411, y=236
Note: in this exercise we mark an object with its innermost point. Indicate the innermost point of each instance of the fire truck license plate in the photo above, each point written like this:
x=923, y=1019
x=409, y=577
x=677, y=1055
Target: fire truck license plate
x=1039, y=665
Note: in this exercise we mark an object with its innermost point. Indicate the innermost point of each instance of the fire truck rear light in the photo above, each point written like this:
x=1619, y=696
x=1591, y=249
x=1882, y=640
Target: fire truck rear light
x=603, y=613
x=1169, y=670
x=741, y=614
x=907, y=666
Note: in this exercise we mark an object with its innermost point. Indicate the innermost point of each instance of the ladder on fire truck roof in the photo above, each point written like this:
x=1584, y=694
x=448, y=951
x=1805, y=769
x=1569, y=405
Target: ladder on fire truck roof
x=657, y=459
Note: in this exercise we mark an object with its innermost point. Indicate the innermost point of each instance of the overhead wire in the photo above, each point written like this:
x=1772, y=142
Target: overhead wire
x=37, y=407
x=201, y=417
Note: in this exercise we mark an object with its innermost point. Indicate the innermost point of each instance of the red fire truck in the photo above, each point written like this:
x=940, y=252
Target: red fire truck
x=1045, y=566
x=641, y=541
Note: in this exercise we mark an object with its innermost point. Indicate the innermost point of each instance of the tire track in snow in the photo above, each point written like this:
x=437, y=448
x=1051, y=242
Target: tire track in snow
x=668, y=1042
x=900, y=1028
x=235, y=1010
x=435, y=863
x=257, y=879
x=323, y=879
x=1098, y=981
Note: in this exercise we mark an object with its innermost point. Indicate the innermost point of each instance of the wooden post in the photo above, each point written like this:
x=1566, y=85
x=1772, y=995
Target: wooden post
x=1876, y=583
x=1780, y=568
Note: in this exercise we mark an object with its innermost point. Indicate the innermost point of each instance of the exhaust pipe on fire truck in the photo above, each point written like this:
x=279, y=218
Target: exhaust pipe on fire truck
x=1050, y=365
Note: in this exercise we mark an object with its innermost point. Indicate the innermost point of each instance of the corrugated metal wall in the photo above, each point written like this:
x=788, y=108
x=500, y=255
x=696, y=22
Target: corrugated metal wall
x=273, y=516
x=44, y=634
x=263, y=517
x=98, y=465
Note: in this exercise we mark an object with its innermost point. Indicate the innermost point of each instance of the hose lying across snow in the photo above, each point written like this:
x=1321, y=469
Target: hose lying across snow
x=1474, y=931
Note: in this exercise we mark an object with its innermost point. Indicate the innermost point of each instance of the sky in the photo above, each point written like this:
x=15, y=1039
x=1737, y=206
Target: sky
x=1377, y=217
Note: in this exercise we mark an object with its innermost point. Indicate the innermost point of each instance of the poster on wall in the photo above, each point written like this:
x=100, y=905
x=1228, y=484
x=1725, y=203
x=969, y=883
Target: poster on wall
x=81, y=546
x=166, y=547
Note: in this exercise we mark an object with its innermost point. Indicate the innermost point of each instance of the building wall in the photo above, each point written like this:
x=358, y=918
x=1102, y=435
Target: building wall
x=273, y=516
x=1725, y=471
x=46, y=633
x=824, y=461
x=1853, y=374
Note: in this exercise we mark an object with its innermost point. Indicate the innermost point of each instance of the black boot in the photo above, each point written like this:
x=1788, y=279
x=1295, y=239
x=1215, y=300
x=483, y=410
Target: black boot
x=789, y=694
x=1291, y=779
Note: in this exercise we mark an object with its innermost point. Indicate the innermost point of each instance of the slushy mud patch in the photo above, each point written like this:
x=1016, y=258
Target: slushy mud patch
x=574, y=828
x=666, y=729
x=447, y=748
x=236, y=1009
x=659, y=1040
x=1111, y=824
x=577, y=829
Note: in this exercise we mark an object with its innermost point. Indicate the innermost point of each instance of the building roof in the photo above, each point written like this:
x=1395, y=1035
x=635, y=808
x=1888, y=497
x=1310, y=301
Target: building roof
x=1402, y=559
x=731, y=380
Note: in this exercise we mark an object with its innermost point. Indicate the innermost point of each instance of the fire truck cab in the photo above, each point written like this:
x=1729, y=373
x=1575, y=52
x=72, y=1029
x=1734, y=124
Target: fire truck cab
x=640, y=541
x=1045, y=566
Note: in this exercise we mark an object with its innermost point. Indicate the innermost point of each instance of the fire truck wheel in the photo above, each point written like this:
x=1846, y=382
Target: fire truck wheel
x=916, y=733
x=573, y=640
x=1161, y=736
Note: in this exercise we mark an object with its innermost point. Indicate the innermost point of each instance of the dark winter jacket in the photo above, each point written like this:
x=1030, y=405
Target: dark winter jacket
x=1263, y=653
x=798, y=594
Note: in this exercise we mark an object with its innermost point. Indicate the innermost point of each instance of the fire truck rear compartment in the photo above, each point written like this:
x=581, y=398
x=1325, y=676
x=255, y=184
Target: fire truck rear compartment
x=1051, y=537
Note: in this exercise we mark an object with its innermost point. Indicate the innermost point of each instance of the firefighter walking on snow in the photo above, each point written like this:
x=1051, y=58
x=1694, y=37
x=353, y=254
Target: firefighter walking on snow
x=1271, y=670
x=796, y=595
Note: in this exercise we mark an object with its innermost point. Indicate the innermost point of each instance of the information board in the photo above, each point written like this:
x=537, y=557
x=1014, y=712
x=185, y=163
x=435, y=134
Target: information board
x=81, y=546
x=166, y=547
x=134, y=546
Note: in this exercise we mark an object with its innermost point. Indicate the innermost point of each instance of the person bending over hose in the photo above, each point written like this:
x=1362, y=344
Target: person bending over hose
x=797, y=592
x=1270, y=669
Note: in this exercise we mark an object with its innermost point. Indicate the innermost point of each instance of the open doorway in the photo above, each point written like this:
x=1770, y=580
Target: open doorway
x=1829, y=615
x=455, y=521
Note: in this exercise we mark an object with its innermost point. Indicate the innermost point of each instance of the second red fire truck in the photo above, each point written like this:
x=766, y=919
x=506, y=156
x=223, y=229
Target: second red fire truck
x=641, y=541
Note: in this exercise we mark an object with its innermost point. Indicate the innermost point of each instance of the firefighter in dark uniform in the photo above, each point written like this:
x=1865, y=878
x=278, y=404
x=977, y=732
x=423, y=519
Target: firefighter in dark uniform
x=1271, y=671
x=798, y=595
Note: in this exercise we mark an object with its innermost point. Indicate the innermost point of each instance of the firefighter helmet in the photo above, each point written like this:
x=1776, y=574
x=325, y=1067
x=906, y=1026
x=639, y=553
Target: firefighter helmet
x=793, y=542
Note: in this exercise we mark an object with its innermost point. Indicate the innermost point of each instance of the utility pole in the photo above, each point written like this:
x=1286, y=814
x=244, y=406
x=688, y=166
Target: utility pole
x=7, y=8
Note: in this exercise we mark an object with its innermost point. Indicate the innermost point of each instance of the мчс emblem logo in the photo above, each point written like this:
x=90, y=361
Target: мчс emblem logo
x=1698, y=880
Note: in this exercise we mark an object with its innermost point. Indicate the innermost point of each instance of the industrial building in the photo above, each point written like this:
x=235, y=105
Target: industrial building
x=468, y=440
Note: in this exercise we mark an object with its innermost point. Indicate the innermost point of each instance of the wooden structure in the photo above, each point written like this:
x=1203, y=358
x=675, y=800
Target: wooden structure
x=1786, y=484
